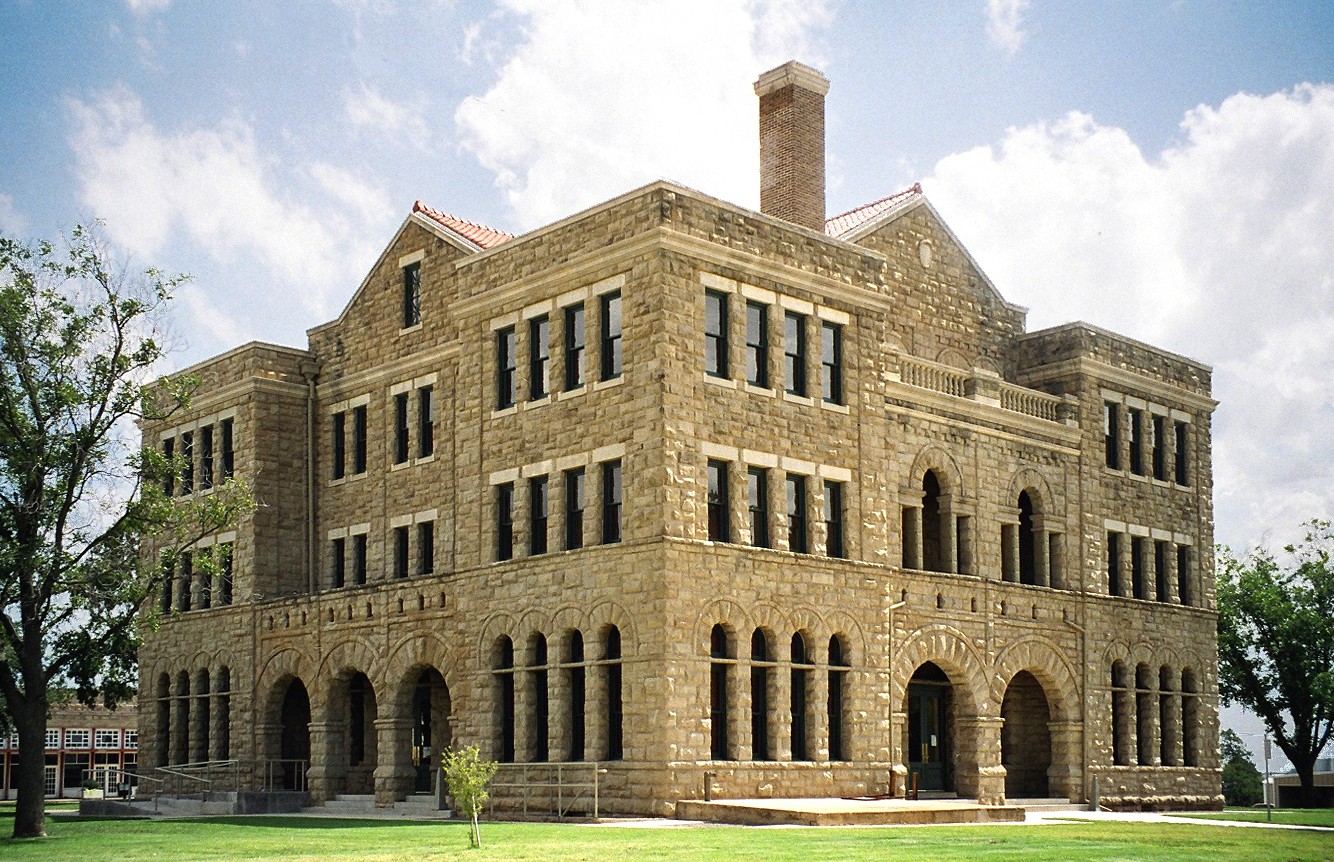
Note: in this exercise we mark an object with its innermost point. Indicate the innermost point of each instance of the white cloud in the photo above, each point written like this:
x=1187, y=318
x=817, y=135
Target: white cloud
x=1217, y=248
x=142, y=7
x=12, y=222
x=371, y=110
x=214, y=187
x=599, y=97
x=1005, y=24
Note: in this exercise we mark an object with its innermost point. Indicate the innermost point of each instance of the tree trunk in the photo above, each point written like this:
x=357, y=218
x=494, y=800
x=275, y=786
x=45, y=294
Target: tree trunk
x=30, y=810
x=1306, y=775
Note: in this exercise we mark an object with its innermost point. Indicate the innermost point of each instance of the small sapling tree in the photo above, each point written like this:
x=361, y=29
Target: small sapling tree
x=466, y=775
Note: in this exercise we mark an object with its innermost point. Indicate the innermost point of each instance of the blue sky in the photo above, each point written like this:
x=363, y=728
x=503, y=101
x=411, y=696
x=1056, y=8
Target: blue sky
x=1162, y=169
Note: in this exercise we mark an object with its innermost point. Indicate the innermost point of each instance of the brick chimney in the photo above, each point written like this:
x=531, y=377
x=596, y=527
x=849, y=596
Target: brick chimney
x=792, y=144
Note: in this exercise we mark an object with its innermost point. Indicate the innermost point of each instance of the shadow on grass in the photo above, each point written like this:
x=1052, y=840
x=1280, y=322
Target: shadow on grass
x=315, y=823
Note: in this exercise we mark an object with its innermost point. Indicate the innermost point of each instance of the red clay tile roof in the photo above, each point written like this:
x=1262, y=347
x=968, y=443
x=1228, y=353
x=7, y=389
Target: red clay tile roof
x=841, y=225
x=477, y=234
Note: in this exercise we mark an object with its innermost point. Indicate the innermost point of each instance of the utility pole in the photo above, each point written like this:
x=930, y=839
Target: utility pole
x=1269, y=807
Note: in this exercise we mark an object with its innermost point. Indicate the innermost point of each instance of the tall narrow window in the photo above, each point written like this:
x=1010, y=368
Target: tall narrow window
x=1159, y=431
x=1137, y=567
x=574, y=508
x=611, y=336
x=505, y=521
x=1113, y=564
x=538, y=508
x=794, y=353
x=539, y=357
x=228, y=450
x=401, y=428
x=168, y=585
x=1111, y=434
x=757, y=344
x=359, y=439
x=800, y=675
x=831, y=362
x=425, y=422
x=188, y=463
x=1184, y=592
x=206, y=457
x=169, y=453
x=759, y=696
x=506, y=350
x=339, y=444
x=541, y=704
x=833, y=518
x=1160, y=570
x=797, y=540
x=426, y=547
x=574, y=347
x=611, y=656
x=359, y=559
x=185, y=582
x=719, y=522
x=838, y=674
x=338, y=563
x=718, y=652
x=757, y=498
x=400, y=552
x=611, y=502
x=1179, y=454
x=206, y=582
x=504, y=675
x=576, y=683
x=412, y=294
x=715, y=333
x=1136, y=441
x=225, y=574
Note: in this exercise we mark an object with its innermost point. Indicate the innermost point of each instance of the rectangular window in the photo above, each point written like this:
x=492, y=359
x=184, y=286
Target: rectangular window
x=715, y=333
x=168, y=585
x=185, y=583
x=339, y=444
x=401, y=428
x=1160, y=570
x=797, y=541
x=426, y=547
x=1184, y=593
x=338, y=570
x=506, y=359
x=169, y=452
x=359, y=559
x=206, y=582
x=1179, y=454
x=1111, y=433
x=206, y=457
x=611, y=336
x=574, y=347
x=1136, y=441
x=757, y=344
x=425, y=422
x=131, y=741
x=539, y=507
x=412, y=294
x=1137, y=567
x=794, y=353
x=52, y=738
x=574, y=508
x=757, y=499
x=539, y=357
x=505, y=521
x=225, y=574
x=831, y=362
x=1159, y=430
x=1113, y=564
x=188, y=465
x=76, y=738
x=833, y=518
x=107, y=738
x=228, y=452
x=359, y=439
x=611, y=502
x=719, y=522
x=400, y=552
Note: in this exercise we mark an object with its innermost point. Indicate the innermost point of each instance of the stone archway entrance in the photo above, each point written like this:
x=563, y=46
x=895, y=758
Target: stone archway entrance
x=930, y=730
x=294, y=740
x=1026, y=751
x=360, y=740
x=430, y=727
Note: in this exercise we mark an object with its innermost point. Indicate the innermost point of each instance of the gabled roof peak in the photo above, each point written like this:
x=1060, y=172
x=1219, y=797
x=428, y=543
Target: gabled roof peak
x=841, y=225
x=478, y=234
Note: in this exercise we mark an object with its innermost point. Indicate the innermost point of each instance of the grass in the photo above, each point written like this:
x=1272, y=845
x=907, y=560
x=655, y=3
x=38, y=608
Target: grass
x=1288, y=816
x=308, y=839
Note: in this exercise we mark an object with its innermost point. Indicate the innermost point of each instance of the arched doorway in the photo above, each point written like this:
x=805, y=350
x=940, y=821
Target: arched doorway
x=294, y=743
x=930, y=735
x=1025, y=738
x=430, y=726
x=359, y=713
x=933, y=556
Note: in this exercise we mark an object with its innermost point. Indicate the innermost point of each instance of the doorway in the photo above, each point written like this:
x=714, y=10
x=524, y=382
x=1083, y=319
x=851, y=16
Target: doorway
x=929, y=746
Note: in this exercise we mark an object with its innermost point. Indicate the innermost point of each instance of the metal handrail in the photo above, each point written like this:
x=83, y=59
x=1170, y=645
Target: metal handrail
x=556, y=800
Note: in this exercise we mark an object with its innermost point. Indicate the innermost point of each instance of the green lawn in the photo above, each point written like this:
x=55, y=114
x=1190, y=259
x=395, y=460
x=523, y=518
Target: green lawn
x=294, y=838
x=1291, y=816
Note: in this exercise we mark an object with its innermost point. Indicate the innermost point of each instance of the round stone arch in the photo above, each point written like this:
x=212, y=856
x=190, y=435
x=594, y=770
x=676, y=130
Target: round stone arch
x=845, y=625
x=1038, y=488
x=565, y=621
x=405, y=663
x=1037, y=696
x=285, y=667
x=497, y=625
x=947, y=648
x=408, y=763
x=344, y=749
x=937, y=460
x=954, y=359
x=814, y=629
x=605, y=614
x=353, y=655
x=734, y=619
x=1041, y=658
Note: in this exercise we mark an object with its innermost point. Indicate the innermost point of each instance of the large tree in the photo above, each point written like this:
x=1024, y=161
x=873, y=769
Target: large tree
x=79, y=340
x=1276, y=644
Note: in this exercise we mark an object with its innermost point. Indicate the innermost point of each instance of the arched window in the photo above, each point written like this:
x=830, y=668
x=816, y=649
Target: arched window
x=611, y=655
x=222, y=720
x=163, y=719
x=800, y=676
x=1027, y=568
x=539, y=719
x=199, y=749
x=1169, y=719
x=1122, y=711
x=759, y=696
x=718, y=651
x=180, y=736
x=575, y=677
x=1190, y=719
x=1146, y=714
x=933, y=554
x=838, y=674
x=503, y=675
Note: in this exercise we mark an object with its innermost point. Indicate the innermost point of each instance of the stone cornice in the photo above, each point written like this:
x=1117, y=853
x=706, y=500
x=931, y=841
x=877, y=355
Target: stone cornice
x=1088, y=366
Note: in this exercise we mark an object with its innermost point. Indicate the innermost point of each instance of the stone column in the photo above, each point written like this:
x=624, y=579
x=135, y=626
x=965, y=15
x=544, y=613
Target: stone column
x=1041, y=558
x=220, y=730
x=1171, y=728
x=949, y=536
x=1124, y=567
x=978, y=769
x=965, y=544
x=394, y=774
x=593, y=504
x=817, y=712
x=738, y=503
x=180, y=729
x=199, y=720
x=1056, y=548
x=740, y=704
x=912, y=537
x=819, y=534
x=1065, y=776
x=328, y=760
x=559, y=731
x=1010, y=552
x=1170, y=572
x=778, y=520
x=523, y=714
x=522, y=513
x=898, y=730
x=780, y=712
x=595, y=709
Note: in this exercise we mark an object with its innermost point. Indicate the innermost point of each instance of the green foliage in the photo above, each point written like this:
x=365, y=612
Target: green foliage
x=79, y=343
x=1231, y=749
x=1242, y=783
x=466, y=775
x=1276, y=642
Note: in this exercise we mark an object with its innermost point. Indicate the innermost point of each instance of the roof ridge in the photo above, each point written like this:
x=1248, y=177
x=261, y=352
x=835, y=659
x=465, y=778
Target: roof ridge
x=483, y=236
x=843, y=223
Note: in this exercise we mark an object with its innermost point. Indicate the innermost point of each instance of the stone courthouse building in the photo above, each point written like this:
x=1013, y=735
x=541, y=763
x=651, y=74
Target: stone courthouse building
x=787, y=503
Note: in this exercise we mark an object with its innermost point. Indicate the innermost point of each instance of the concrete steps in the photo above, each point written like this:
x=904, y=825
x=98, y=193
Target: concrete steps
x=846, y=812
x=415, y=807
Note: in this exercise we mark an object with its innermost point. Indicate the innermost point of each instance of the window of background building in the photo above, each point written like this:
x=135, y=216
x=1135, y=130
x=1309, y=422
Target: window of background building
x=412, y=294
x=1111, y=433
x=757, y=344
x=426, y=547
x=715, y=333
x=797, y=540
x=359, y=559
x=538, y=514
x=757, y=497
x=359, y=439
x=539, y=357
x=574, y=508
x=831, y=362
x=1136, y=418
x=228, y=450
x=574, y=347
x=719, y=521
x=339, y=444
x=401, y=428
x=506, y=359
x=206, y=457
x=169, y=452
x=794, y=353
x=1179, y=453
x=611, y=502
x=611, y=336
x=338, y=569
x=505, y=521
x=833, y=518
x=425, y=422
x=1159, y=431
x=187, y=462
